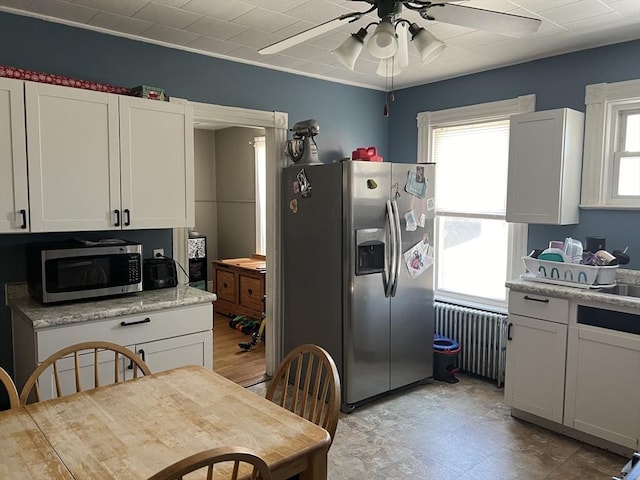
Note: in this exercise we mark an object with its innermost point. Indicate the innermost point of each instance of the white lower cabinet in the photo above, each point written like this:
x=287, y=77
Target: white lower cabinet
x=66, y=374
x=536, y=351
x=575, y=363
x=165, y=339
x=535, y=367
x=603, y=384
x=174, y=352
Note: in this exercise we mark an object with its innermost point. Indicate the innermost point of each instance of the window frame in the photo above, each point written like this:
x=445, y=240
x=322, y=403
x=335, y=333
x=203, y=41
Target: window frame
x=259, y=145
x=621, y=113
x=518, y=232
x=604, y=104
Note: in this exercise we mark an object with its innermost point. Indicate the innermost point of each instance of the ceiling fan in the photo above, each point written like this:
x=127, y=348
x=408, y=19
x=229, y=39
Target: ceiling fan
x=391, y=33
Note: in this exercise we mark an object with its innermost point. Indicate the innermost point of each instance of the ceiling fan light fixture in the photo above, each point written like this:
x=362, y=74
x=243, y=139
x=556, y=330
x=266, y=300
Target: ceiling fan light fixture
x=428, y=46
x=387, y=68
x=349, y=51
x=384, y=42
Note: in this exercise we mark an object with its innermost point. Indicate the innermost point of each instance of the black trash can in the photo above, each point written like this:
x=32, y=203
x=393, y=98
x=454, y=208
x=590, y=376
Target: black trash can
x=446, y=352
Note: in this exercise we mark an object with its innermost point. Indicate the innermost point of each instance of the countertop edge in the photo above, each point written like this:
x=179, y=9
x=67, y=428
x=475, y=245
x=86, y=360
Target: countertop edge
x=46, y=316
x=573, y=293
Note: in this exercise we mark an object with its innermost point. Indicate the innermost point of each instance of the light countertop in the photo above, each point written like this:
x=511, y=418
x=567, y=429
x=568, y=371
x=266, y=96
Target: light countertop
x=588, y=294
x=44, y=316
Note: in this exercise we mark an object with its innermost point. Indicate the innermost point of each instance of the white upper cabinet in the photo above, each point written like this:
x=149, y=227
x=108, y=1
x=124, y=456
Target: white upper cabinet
x=74, y=163
x=100, y=161
x=545, y=164
x=156, y=161
x=14, y=202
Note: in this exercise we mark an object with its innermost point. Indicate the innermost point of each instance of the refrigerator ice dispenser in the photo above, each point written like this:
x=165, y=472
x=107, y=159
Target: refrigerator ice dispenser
x=370, y=245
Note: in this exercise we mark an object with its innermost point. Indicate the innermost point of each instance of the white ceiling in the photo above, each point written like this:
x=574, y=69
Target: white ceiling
x=237, y=29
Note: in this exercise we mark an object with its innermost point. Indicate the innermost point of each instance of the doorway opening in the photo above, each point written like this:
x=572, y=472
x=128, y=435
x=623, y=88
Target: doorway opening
x=273, y=126
x=229, y=214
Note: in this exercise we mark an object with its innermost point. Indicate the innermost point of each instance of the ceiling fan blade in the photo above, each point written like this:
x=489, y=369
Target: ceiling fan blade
x=308, y=34
x=480, y=19
x=402, y=55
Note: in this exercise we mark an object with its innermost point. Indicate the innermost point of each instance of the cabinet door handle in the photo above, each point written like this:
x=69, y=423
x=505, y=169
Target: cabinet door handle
x=141, y=353
x=250, y=291
x=509, y=331
x=117, y=213
x=225, y=285
x=128, y=324
x=541, y=300
x=23, y=212
x=127, y=212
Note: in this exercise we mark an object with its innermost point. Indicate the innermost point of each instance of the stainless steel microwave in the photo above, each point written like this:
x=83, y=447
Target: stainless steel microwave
x=76, y=269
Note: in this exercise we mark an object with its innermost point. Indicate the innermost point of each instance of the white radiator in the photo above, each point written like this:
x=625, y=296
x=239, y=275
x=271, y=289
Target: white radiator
x=482, y=336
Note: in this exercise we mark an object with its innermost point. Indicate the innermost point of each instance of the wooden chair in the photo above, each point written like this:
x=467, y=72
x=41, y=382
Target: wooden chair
x=307, y=383
x=137, y=364
x=10, y=387
x=209, y=458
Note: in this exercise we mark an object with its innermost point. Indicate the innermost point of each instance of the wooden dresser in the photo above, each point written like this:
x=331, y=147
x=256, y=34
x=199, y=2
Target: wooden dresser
x=239, y=284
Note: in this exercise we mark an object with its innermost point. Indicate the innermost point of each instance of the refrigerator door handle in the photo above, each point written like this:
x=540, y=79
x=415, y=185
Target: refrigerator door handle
x=388, y=277
x=397, y=249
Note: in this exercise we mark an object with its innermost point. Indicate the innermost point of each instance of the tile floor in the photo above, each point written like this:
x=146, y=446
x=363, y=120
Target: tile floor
x=456, y=431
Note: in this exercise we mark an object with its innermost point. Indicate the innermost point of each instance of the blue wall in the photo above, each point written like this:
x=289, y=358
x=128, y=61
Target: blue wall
x=557, y=82
x=349, y=117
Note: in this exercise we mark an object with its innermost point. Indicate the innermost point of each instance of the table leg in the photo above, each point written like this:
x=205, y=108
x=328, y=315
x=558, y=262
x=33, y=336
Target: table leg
x=317, y=468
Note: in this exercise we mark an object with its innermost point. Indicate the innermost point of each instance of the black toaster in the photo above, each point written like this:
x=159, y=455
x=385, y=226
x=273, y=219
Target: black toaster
x=159, y=273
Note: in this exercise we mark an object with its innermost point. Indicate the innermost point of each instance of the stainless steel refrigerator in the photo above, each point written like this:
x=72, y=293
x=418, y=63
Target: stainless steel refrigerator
x=357, y=259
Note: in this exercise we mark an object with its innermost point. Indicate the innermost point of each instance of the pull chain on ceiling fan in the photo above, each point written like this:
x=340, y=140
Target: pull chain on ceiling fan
x=389, y=39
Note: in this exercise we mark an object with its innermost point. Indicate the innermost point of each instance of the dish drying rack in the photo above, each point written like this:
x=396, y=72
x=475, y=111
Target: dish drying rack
x=569, y=274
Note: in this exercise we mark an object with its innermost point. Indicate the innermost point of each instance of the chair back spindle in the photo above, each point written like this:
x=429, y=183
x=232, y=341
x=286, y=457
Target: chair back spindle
x=307, y=383
x=78, y=353
x=243, y=461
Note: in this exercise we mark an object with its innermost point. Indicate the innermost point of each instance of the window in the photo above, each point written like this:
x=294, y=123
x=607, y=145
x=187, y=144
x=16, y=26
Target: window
x=611, y=169
x=476, y=250
x=471, y=191
x=626, y=154
x=261, y=195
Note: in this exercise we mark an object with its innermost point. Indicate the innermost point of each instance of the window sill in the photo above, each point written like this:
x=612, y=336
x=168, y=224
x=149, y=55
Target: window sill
x=610, y=207
x=470, y=303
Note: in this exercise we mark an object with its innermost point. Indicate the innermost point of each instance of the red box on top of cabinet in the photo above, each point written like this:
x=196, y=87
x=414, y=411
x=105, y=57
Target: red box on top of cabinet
x=43, y=77
x=366, y=153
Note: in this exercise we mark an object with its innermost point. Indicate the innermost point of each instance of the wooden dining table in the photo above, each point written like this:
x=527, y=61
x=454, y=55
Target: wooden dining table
x=24, y=450
x=133, y=429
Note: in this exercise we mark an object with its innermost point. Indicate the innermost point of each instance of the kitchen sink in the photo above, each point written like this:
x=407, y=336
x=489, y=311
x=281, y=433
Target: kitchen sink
x=623, y=289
